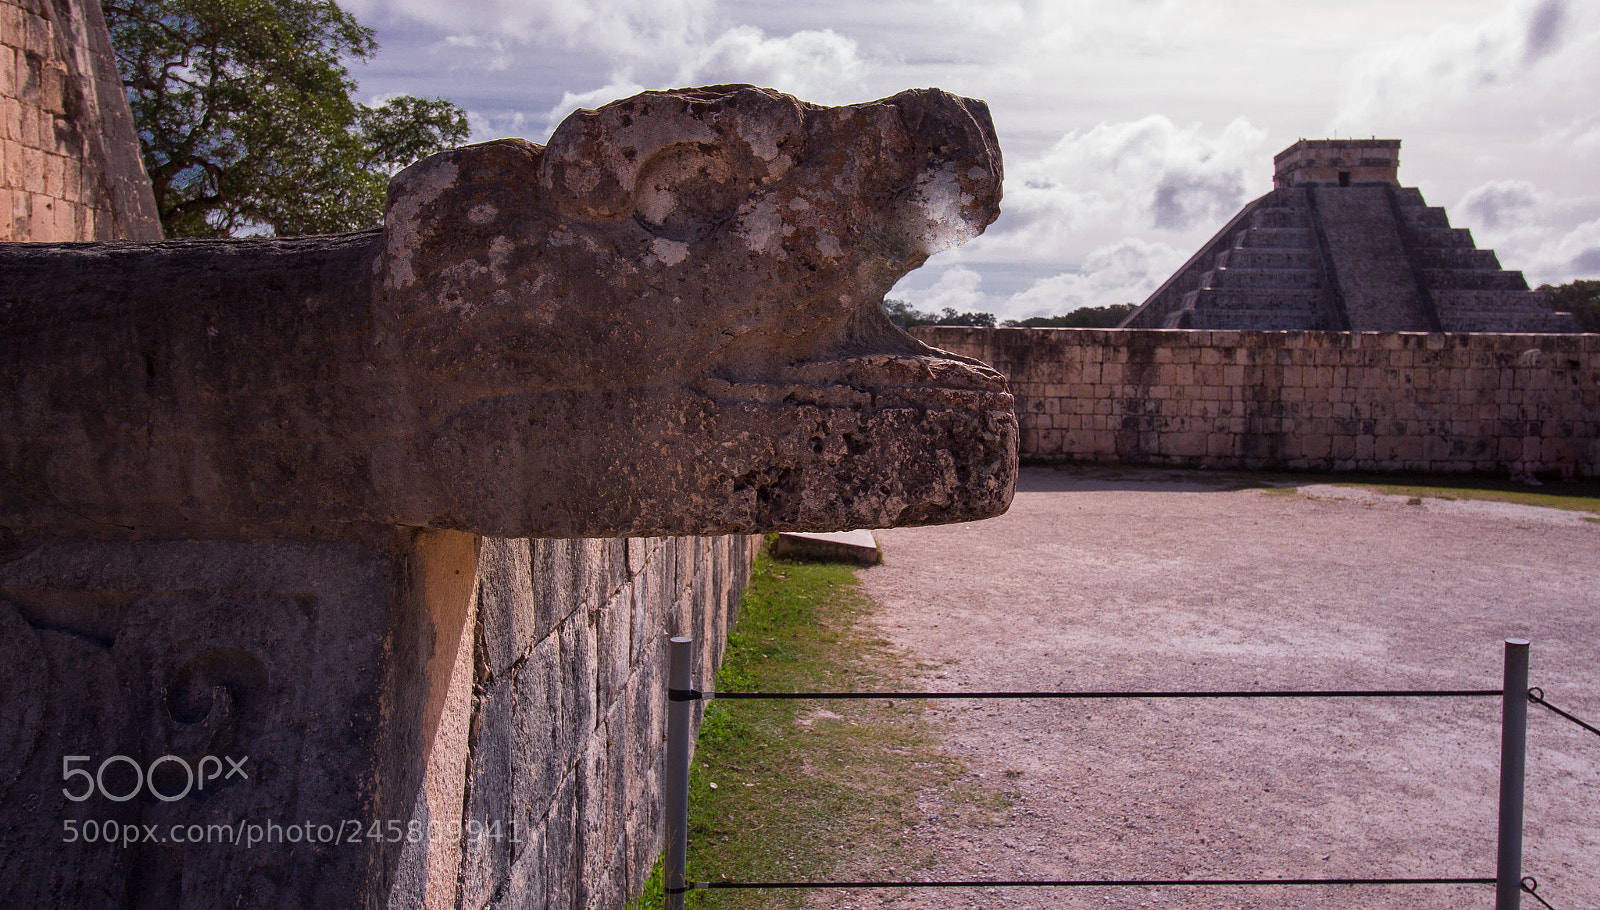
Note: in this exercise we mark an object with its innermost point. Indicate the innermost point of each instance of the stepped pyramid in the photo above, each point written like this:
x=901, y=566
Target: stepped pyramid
x=1339, y=245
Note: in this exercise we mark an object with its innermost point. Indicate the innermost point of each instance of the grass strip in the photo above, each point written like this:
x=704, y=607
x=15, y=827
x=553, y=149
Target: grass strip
x=796, y=790
x=1573, y=497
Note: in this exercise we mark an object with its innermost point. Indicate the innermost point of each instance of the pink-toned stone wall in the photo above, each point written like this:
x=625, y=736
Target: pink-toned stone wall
x=1303, y=400
x=69, y=158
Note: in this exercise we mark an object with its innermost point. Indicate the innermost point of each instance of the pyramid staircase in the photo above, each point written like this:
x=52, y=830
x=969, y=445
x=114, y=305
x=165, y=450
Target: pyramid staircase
x=1267, y=275
x=1370, y=257
x=1469, y=290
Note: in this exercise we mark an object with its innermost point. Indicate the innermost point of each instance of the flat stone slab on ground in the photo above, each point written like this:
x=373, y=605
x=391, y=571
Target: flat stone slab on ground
x=841, y=546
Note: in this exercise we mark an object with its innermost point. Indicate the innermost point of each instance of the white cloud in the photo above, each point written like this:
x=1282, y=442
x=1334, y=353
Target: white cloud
x=1573, y=254
x=822, y=66
x=1457, y=63
x=1126, y=178
x=632, y=28
x=487, y=54
x=619, y=87
x=483, y=126
x=1552, y=255
x=1551, y=238
x=1500, y=203
x=1578, y=134
x=1124, y=272
x=957, y=288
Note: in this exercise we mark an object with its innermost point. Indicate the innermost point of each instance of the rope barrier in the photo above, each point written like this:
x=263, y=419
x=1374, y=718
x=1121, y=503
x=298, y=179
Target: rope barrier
x=1536, y=695
x=1508, y=881
x=698, y=695
x=1097, y=883
x=1530, y=886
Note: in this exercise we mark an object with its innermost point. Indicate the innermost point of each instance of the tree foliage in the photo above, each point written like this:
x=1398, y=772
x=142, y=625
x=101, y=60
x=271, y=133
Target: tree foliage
x=1581, y=298
x=1089, y=317
x=903, y=315
x=246, y=120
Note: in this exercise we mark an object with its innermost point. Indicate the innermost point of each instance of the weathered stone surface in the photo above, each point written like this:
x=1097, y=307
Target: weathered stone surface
x=666, y=322
x=1341, y=401
x=333, y=671
x=270, y=653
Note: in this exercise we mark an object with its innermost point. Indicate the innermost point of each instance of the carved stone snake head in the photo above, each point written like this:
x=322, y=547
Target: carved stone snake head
x=676, y=308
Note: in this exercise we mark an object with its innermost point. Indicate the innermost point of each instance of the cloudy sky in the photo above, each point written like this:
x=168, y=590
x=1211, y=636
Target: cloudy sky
x=1131, y=129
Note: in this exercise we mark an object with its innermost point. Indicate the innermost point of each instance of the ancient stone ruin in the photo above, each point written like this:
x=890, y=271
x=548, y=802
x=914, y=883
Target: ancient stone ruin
x=1339, y=245
x=667, y=322
x=379, y=519
x=69, y=161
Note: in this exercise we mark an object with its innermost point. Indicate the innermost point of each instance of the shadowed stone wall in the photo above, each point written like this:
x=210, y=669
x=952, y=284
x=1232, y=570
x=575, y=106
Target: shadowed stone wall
x=69, y=159
x=567, y=711
x=443, y=720
x=1313, y=400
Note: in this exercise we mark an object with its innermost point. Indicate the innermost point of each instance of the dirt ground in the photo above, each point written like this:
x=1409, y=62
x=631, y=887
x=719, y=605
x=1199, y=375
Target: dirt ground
x=1165, y=580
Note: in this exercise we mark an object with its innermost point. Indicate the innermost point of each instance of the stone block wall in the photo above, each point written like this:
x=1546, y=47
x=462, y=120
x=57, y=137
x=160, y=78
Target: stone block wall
x=69, y=159
x=382, y=694
x=569, y=710
x=1394, y=401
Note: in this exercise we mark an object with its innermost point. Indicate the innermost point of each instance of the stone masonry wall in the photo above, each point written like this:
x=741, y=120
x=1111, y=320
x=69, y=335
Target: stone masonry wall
x=410, y=684
x=1303, y=400
x=569, y=708
x=69, y=159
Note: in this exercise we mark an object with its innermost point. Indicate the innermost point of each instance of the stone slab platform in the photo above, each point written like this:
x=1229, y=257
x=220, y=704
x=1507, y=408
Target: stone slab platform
x=838, y=546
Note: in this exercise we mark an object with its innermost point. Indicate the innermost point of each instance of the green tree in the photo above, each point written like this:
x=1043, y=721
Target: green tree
x=246, y=120
x=1581, y=298
x=1089, y=317
x=905, y=316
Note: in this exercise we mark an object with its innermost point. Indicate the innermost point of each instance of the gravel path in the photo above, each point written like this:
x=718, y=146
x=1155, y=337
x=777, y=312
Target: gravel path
x=1148, y=579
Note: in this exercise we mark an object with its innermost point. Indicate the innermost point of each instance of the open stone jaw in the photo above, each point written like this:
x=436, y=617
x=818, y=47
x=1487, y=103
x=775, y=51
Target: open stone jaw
x=668, y=322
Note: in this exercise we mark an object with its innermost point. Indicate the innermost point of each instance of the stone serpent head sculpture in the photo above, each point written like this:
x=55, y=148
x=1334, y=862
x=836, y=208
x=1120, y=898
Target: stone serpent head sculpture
x=667, y=321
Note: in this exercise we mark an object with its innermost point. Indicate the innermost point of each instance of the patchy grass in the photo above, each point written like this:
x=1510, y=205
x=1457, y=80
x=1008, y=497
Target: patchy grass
x=805, y=790
x=1574, y=497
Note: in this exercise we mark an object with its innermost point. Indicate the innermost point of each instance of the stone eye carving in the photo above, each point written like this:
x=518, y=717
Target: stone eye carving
x=216, y=688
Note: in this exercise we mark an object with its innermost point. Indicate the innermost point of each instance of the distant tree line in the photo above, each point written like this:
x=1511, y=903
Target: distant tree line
x=1090, y=317
x=1581, y=298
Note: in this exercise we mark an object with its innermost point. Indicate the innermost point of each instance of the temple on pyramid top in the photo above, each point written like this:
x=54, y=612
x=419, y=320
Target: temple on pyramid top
x=1339, y=245
x=1337, y=162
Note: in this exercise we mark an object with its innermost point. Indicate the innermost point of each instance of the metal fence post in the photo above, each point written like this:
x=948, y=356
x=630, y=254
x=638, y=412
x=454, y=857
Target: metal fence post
x=1513, y=746
x=680, y=678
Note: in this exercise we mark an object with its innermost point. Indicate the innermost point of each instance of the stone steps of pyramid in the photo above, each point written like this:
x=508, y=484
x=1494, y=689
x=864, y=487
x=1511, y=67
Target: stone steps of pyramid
x=1278, y=238
x=1307, y=301
x=1255, y=320
x=1544, y=322
x=1339, y=245
x=1266, y=258
x=1241, y=278
x=1425, y=216
x=1281, y=217
x=1457, y=258
x=1424, y=238
x=1474, y=280
x=1459, y=300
